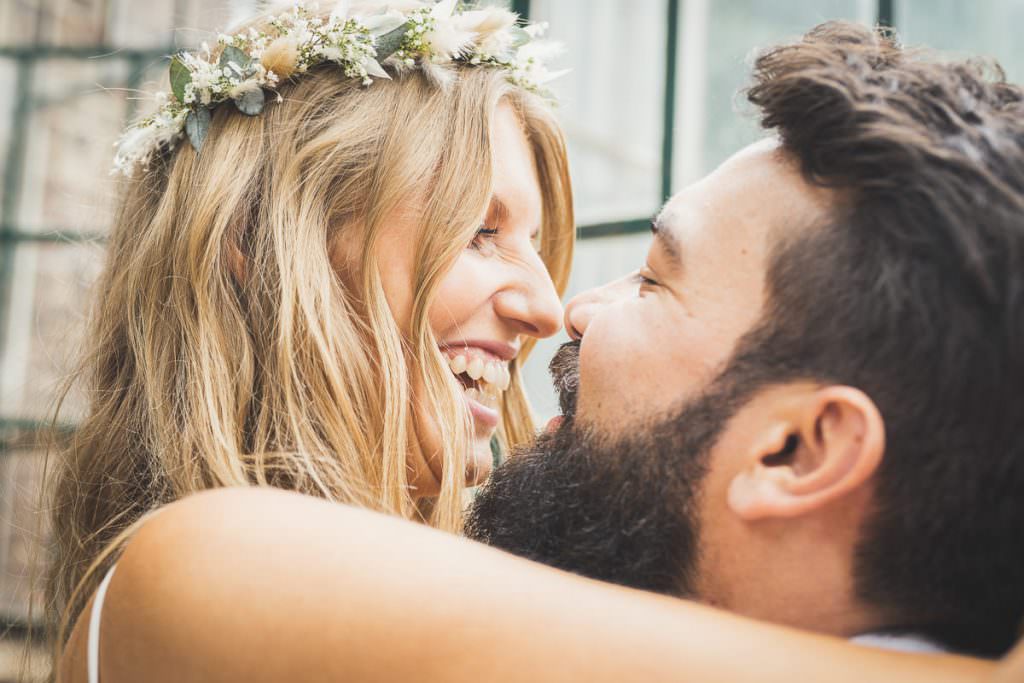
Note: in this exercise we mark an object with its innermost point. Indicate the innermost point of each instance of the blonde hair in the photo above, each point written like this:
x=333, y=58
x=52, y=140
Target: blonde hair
x=282, y=373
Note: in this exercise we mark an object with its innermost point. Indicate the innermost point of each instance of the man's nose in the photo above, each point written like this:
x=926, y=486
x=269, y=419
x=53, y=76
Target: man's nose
x=582, y=308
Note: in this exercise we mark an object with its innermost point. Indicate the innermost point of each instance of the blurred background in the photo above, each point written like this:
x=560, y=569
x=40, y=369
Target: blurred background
x=649, y=107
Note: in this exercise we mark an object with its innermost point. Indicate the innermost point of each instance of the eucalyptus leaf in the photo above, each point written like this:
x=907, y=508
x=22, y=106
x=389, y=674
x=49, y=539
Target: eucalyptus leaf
x=520, y=36
x=383, y=22
x=180, y=77
x=197, y=124
x=233, y=54
x=373, y=68
x=251, y=101
x=388, y=43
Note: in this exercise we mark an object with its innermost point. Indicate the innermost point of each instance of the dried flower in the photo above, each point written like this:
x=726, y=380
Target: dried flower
x=281, y=56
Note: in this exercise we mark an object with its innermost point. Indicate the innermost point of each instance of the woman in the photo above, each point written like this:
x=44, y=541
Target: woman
x=307, y=298
x=331, y=286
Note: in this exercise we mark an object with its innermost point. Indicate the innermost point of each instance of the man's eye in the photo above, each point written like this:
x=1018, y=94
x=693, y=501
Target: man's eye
x=644, y=279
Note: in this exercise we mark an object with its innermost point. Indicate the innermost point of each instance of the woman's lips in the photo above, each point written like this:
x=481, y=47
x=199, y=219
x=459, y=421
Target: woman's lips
x=482, y=415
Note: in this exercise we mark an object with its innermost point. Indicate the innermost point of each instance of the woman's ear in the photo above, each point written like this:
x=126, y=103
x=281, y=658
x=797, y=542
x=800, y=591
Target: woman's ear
x=818, y=448
x=236, y=262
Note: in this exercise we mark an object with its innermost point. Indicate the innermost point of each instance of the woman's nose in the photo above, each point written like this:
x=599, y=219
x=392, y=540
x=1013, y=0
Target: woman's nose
x=533, y=306
x=582, y=308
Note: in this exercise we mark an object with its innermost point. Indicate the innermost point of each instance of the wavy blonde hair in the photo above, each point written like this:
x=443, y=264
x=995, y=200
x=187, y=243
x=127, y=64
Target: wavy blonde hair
x=282, y=372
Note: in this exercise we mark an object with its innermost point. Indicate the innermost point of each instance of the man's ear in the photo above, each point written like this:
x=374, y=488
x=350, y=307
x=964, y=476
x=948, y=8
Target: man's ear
x=818, y=448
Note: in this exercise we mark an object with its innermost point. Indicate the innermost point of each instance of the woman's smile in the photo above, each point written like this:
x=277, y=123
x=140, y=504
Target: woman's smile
x=482, y=367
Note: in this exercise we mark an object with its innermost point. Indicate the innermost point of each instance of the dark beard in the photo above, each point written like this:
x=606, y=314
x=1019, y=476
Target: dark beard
x=620, y=509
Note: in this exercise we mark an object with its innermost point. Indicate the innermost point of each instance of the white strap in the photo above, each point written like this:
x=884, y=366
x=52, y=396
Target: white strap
x=94, y=628
x=907, y=642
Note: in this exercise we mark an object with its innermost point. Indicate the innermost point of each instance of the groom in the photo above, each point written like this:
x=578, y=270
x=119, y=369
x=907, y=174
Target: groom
x=808, y=405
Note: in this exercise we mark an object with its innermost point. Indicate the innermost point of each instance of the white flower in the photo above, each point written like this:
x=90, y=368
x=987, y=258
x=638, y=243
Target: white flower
x=485, y=21
x=340, y=12
x=537, y=30
x=140, y=141
x=366, y=8
x=380, y=24
x=540, y=51
x=491, y=27
x=330, y=52
x=446, y=40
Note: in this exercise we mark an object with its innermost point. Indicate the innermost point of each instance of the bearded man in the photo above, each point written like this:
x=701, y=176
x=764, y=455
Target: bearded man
x=806, y=406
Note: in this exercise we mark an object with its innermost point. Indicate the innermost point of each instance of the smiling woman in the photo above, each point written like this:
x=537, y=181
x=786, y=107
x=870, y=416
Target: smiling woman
x=286, y=294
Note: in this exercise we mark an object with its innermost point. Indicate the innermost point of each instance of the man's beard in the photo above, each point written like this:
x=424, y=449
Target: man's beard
x=622, y=509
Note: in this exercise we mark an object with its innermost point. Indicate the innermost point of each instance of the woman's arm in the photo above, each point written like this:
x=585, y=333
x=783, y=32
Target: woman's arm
x=1012, y=668
x=264, y=585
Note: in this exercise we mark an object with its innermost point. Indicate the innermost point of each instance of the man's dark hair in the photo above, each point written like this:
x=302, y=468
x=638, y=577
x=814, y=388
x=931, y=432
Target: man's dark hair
x=914, y=293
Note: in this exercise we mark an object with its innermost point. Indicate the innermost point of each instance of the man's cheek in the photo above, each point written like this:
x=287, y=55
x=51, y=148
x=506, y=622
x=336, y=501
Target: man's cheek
x=605, y=371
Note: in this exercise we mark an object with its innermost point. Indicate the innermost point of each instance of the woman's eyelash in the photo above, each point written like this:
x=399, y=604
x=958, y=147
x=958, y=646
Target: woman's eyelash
x=481, y=234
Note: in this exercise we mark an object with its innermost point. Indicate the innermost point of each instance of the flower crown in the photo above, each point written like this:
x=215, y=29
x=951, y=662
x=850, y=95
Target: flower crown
x=255, y=61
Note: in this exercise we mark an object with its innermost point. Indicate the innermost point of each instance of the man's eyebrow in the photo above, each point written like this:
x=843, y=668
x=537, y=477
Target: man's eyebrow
x=669, y=241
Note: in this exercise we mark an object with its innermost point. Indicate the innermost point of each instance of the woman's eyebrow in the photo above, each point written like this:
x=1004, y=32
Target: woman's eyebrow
x=499, y=210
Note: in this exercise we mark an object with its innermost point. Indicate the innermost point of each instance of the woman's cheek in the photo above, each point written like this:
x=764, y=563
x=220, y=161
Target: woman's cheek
x=461, y=292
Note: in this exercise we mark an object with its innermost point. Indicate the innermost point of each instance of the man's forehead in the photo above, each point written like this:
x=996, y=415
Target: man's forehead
x=757, y=191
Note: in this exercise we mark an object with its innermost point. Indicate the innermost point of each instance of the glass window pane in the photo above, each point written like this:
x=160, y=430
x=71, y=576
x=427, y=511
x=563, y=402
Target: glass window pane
x=986, y=27
x=611, y=101
x=76, y=111
x=717, y=39
x=45, y=311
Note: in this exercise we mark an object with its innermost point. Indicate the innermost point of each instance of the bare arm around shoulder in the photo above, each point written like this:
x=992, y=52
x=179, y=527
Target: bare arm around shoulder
x=263, y=585
x=1012, y=668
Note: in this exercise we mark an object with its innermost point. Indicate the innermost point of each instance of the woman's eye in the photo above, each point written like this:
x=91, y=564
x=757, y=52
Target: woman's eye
x=482, y=236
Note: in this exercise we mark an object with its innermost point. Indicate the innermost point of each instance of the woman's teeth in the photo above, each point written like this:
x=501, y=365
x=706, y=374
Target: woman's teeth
x=490, y=376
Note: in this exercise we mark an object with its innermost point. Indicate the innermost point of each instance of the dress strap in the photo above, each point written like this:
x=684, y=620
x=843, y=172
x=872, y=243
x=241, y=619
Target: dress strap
x=94, y=628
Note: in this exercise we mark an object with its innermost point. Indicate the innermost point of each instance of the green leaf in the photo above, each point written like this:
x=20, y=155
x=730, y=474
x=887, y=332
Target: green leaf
x=251, y=102
x=180, y=77
x=233, y=54
x=388, y=43
x=197, y=123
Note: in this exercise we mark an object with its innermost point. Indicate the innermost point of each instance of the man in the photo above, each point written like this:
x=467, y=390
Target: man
x=806, y=406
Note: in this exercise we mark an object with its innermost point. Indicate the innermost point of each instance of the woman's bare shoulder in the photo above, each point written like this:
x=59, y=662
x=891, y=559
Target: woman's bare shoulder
x=179, y=555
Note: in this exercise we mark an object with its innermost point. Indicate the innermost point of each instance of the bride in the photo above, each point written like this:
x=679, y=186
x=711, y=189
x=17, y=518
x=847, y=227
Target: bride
x=339, y=238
